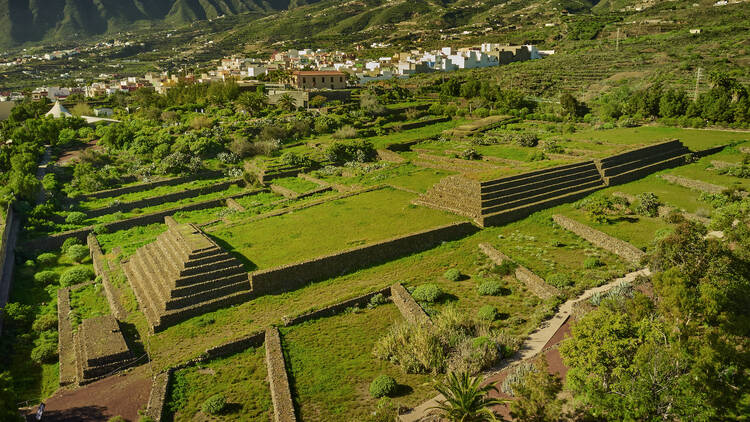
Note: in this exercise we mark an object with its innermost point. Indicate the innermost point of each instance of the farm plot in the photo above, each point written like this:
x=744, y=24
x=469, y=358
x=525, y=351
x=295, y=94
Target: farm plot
x=240, y=378
x=330, y=365
x=326, y=228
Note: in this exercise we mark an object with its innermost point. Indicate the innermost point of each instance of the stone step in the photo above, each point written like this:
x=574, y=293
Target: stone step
x=514, y=214
x=642, y=162
x=541, y=197
x=210, y=284
x=554, y=180
x=163, y=255
x=644, y=171
x=144, y=300
x=640, y=153
x=208, y=275
x=219, y=256
x=531, y=176
x=151, y=287
x=207, y=295
x=158, y=278
x=593, y=176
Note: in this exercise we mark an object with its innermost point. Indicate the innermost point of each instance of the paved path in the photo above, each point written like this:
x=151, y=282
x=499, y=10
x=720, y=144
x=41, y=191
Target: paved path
x=530, y=348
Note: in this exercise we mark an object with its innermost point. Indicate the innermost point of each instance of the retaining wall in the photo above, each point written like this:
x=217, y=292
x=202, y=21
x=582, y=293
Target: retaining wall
x=234, y=346
x=281, y=395
x=408, y=307
x=162, y=199
x=693, y=184
x=55, y=241
x=101, y=268
x=337, y=308
x=421, y=123
x=150, y=185
x=618, y=247
x=294, y=276
x=158, y=395
x=7, y=257
x=533, y=282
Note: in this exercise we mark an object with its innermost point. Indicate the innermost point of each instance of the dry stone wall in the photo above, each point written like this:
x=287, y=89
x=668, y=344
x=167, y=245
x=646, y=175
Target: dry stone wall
x=281, y=395
x=337, y=308
x=55, y=241
x=294, y=276
x=618, y=247
x=693, y=184
x=533, y=282
x=158, y=395
x=101, y=268
x=408, y=307
x=150, y=185
x=162, y=199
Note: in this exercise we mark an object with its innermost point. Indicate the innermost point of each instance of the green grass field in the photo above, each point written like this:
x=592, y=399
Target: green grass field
x=326, y=228
x=87, y=302
x=405, y=176
x=414, y=134
x=296, y=184
x=330, y=365
x=151, y=193
x=241, y=378
x=131, y=239
x=695, y=139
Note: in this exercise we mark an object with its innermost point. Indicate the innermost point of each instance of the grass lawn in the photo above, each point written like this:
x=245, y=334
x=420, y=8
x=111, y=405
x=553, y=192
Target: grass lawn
x=669, y=194
x=241, y=378
x=131, y=239
x=87, y=302
x=234, y=189
x=201, y=216
x=695, y=139
x=259, y=202
x=699, y=171
x=406, y=176
x=296, y=184
x=151, y=193
x=330, y=365
x=33, y=381
x=415, y=134
x=311, y=232
x=546, y=249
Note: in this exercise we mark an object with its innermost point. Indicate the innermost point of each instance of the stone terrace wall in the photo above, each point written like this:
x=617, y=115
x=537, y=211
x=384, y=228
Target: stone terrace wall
x=693, y=184
x=55, y=241
x=421, y=123
x=150, y=185
x=7, y=257
x=234, y=346
x=101, y=268
x=158, y=395
x=533, y=282
x=408, y=307
x=294, y=276
x=618, y=247
x=336, y=308
x=162, y=199
x=281, y=395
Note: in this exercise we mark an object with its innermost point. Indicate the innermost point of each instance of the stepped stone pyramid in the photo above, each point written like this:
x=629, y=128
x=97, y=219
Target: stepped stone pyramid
x=183, y=274
x=100, y=348
x=507, y=199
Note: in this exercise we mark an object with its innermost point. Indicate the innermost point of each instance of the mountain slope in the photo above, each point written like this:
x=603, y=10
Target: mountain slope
x=24, y=21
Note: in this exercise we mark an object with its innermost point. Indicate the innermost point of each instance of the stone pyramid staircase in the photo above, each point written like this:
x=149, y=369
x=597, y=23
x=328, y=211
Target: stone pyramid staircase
x=507, y=199
x=637, y=163
x=100, y=349
x=183, y=274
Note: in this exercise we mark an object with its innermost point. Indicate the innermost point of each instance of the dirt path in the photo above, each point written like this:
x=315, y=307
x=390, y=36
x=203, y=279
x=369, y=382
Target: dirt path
x=534, y=344
x=123, y=394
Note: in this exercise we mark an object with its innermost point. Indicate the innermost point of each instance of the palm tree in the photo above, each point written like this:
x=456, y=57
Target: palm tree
x=466, y=399
x=251, y=102
x=287, y=102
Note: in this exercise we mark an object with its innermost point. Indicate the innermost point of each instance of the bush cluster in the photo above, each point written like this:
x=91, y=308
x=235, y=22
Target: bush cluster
x=360, y=151
x=453, y=274
x=382, y=386
x=490, y=288
x=46, y=277
x=214, y=405
x=78, y=253
x=487, y=313
x=428, y=293
x=76, y=275
x=46, y=259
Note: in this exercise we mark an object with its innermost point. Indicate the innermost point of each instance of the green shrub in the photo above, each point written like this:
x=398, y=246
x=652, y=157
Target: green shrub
x=490, y=288
x=100, y=229
x=382, y=386
x=46, y=352
x=453, y=274
x=648, y=204
x=214, y=404
x=487, y=313
x=46, y=277
x=559, y=280
x=76, y=275
x=78, y=252
x=45, y=322
x=345, y=151
x=47, y=258
x=507, y=267
x=592, y=262
x=376, y=300
x=75, y=217
x=428, y=293
x=68, y=243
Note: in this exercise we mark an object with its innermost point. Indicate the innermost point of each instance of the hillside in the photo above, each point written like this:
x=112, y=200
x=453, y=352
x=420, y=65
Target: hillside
x=55, y=20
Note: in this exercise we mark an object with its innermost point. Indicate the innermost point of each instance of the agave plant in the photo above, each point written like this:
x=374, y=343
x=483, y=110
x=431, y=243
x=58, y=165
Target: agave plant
x=466, y=400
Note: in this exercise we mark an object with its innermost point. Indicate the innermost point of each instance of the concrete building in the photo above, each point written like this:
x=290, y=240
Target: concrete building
x=306, y=79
